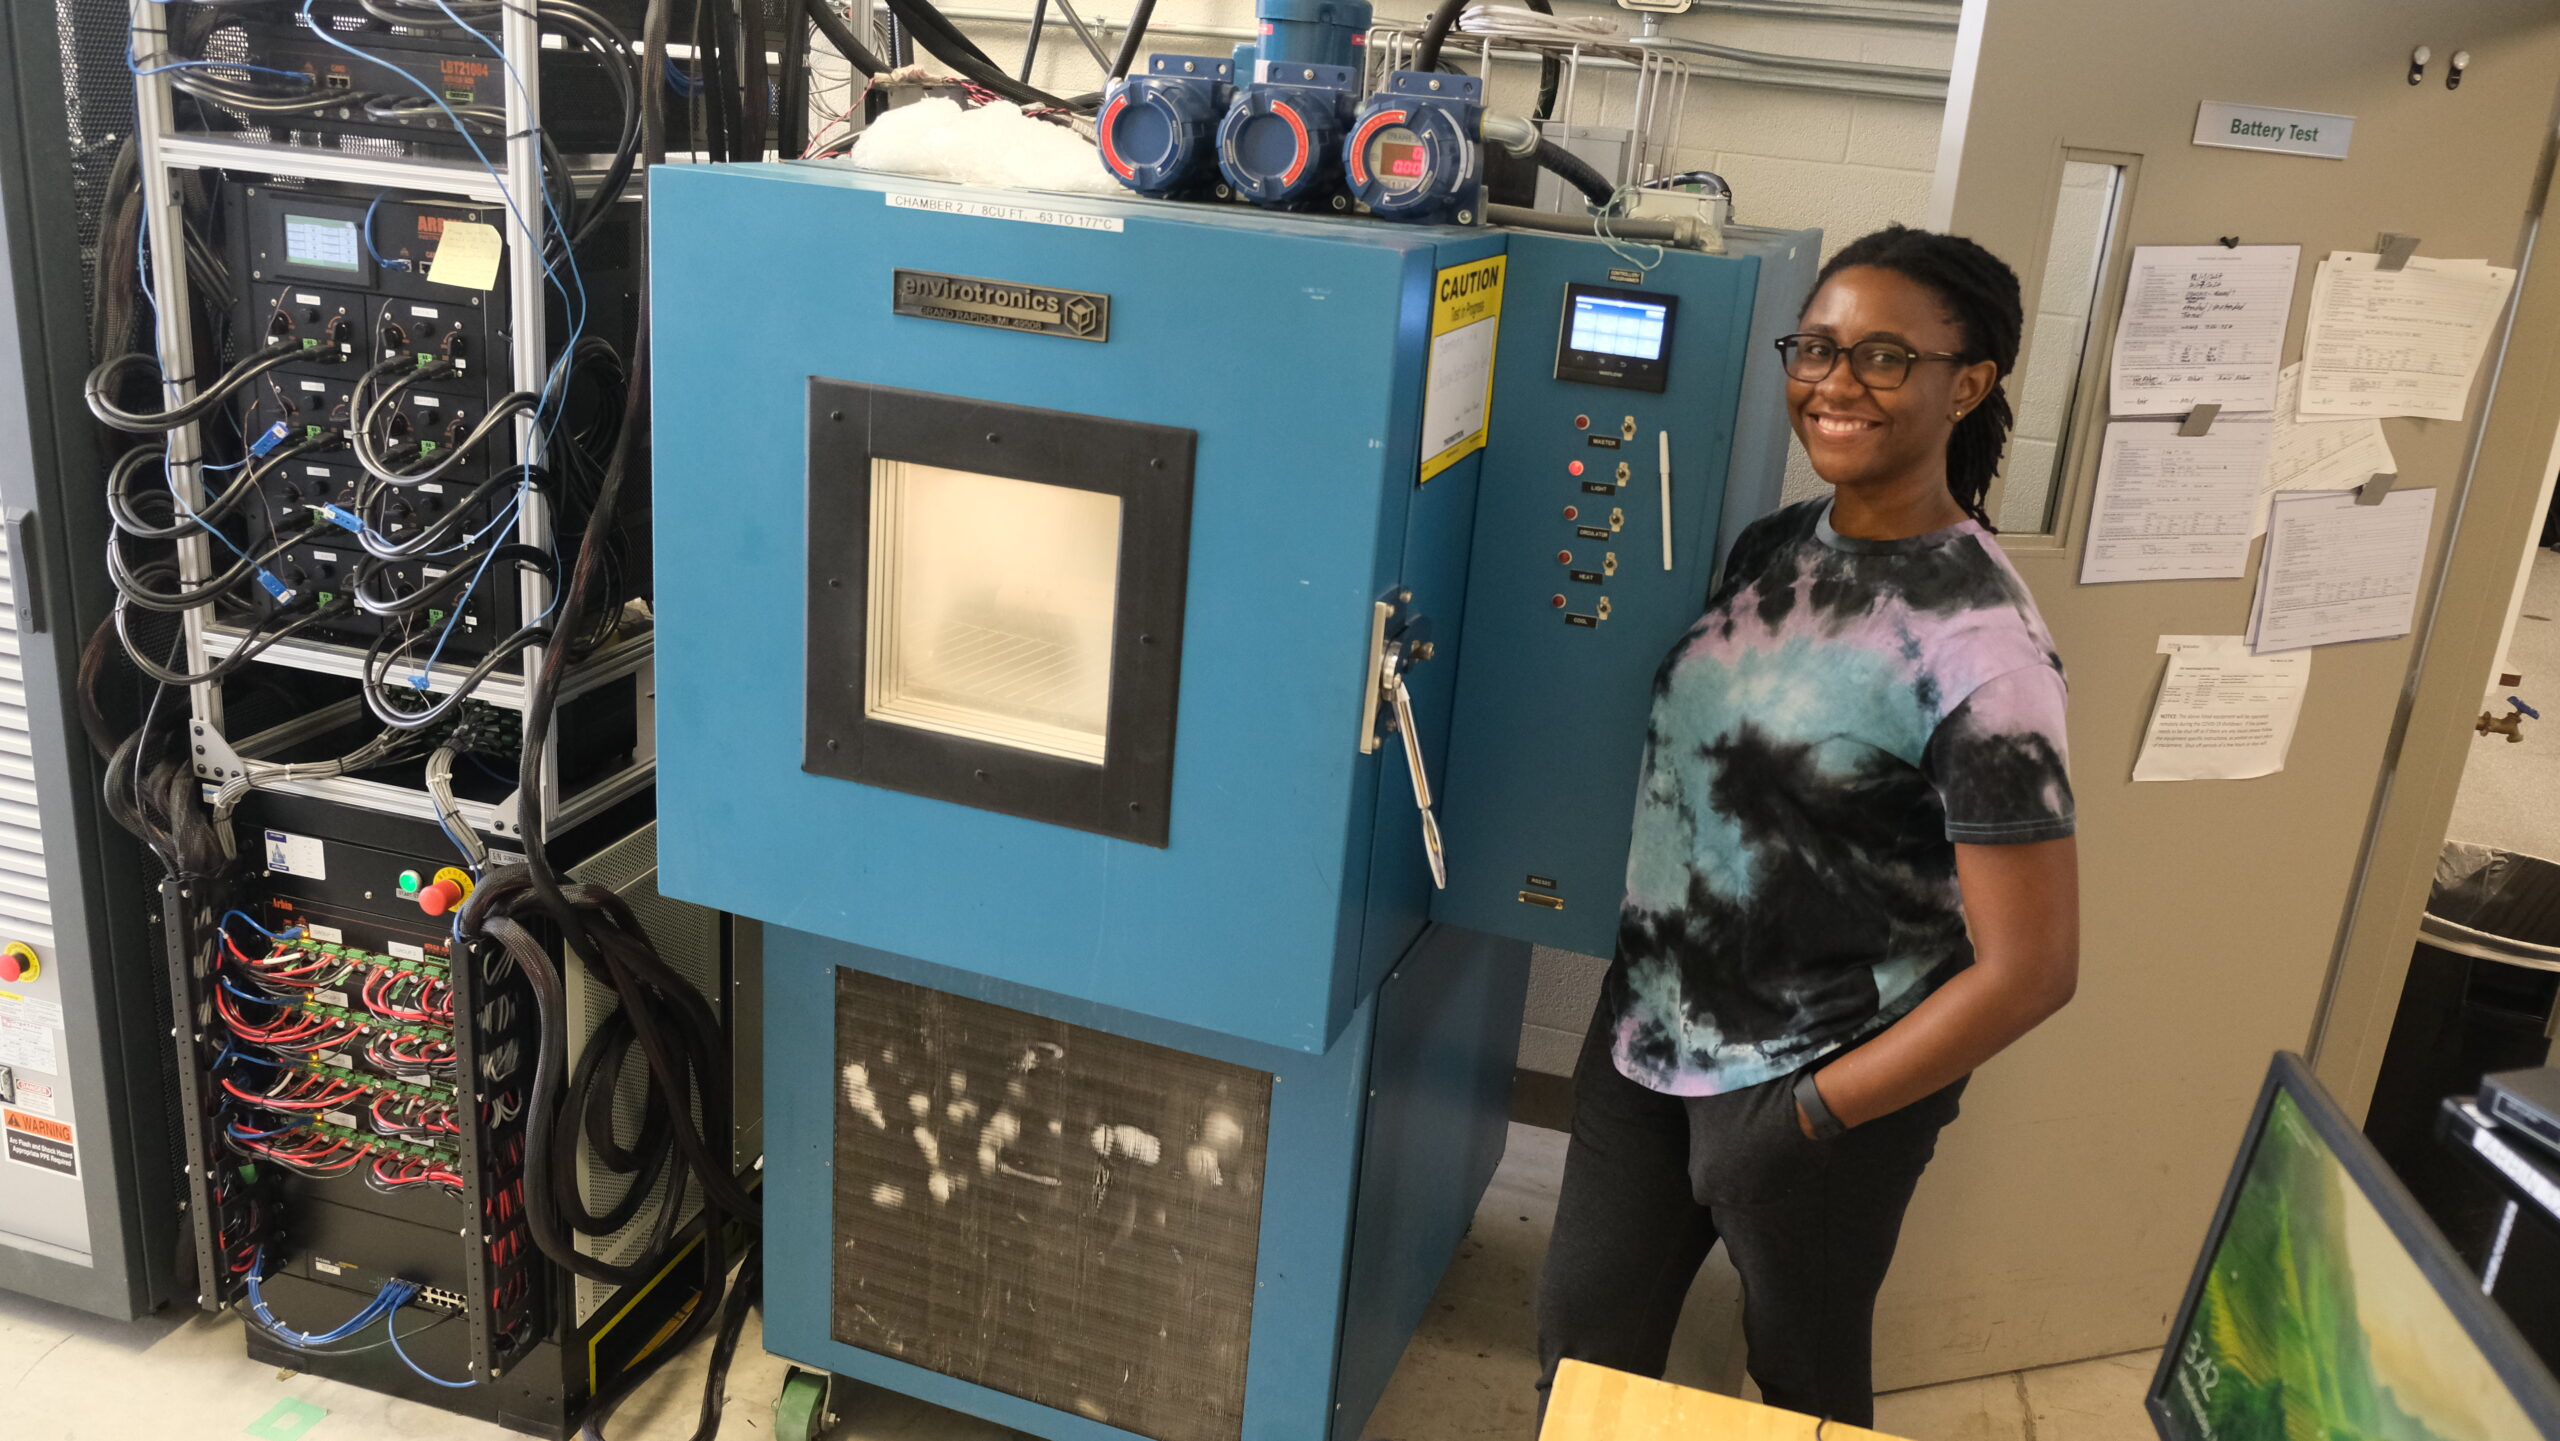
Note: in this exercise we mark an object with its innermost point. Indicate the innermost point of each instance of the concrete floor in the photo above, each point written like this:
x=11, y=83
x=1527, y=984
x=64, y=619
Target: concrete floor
x=2508, y=790
x=65, y=1377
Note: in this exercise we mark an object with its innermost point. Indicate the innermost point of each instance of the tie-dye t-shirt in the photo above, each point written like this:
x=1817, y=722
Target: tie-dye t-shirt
x=1844, y=713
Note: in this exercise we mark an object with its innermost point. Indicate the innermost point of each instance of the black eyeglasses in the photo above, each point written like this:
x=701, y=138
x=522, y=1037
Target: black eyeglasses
x=1878, y=364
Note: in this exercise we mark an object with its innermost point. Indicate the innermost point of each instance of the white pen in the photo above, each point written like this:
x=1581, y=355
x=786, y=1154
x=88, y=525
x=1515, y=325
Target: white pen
x=1666, y=497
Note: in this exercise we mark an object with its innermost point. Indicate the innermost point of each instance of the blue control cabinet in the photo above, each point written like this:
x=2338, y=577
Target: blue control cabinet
x=1027, y=571
x=1554, y=694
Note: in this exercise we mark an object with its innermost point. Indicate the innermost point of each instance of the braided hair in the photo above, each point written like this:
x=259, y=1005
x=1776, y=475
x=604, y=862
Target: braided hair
x=1981, y=292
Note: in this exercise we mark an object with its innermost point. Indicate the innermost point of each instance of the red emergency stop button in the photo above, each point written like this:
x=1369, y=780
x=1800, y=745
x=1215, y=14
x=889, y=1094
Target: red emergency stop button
x=450, y=888
x=18, y=962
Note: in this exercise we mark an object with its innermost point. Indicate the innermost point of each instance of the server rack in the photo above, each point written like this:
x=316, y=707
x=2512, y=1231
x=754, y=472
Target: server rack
x=176, y=1205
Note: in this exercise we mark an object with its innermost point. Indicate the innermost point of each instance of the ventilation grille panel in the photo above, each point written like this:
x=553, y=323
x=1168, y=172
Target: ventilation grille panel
x=26, y=904
x=1058, y=1213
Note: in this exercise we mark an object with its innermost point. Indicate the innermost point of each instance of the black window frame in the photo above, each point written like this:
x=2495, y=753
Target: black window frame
x=1148, y=467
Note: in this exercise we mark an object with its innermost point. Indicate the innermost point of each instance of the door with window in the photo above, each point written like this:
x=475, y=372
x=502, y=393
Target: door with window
x=2222, y=920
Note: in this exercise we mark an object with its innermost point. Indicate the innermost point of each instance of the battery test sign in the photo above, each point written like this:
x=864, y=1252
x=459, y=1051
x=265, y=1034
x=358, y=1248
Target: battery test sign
x=1466, y=309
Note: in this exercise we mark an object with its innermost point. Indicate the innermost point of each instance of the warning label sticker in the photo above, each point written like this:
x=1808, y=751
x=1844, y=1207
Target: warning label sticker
x=39, y=1141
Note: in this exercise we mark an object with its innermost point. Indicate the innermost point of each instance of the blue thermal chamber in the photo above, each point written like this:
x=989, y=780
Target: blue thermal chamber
x=1048, y=589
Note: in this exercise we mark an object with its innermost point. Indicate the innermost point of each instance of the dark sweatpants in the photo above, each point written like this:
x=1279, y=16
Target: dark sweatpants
x=1651, y=1182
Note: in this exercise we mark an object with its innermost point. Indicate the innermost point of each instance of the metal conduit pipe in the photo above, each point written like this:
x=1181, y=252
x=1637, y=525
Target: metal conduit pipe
x=1678, y=231
x=1746, y=67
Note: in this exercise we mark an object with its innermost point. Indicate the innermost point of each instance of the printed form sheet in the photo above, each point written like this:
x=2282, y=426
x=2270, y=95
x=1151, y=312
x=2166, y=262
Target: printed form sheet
x=2339, y=571
x=2175, y=507
x=2399, y=342
x=2202, y=325
x=2223, y=713
x=2319, y=454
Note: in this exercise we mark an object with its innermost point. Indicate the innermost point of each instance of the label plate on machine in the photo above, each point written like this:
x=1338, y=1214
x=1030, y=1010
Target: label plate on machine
x=1001, y=304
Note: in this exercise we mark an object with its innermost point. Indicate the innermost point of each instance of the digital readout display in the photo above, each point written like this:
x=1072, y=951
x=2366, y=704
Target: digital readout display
x=1400, y=160
x=320, y=243
x=1606, y=325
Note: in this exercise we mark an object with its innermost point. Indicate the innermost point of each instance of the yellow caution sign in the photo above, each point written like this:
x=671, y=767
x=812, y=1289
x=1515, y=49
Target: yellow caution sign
x=1457, y=403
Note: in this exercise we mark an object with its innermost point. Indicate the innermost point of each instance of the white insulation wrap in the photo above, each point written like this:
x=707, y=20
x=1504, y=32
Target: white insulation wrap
x=993, y=144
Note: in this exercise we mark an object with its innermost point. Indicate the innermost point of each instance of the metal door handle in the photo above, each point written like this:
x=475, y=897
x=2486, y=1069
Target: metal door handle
x=1403, y=702
x=26, y=578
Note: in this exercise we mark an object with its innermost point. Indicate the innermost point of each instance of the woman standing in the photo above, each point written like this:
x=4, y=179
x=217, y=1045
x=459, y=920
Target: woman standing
x=1853, y=879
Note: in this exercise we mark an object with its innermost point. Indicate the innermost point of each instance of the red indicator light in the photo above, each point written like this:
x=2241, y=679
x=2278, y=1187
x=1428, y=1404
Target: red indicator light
x=1582, y=422
x=1557, y=602
x=1573, y=512
x=1564, y=557
x=1573, y=467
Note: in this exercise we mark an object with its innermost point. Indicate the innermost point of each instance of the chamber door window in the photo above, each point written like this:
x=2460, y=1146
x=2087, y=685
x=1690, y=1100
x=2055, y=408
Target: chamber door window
x=995, y=604
x=991, y=608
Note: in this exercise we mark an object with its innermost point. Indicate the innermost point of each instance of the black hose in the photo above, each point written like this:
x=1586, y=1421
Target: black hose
x=1128, y=56
x=1426, y=52
x=841, y=36
x=1031, y=42
x=1575, y=171
x=1550, y=72
x=791, y=133
x=753, y=80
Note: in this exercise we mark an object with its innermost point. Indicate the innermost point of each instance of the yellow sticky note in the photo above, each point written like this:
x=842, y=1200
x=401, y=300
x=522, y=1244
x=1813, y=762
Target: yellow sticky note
x=467, y=256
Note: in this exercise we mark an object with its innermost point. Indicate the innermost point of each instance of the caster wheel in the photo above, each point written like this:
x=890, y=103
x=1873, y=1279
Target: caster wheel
x=800, y=1412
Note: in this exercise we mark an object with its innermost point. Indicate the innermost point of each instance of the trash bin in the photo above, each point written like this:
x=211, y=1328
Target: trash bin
x=2480, y=997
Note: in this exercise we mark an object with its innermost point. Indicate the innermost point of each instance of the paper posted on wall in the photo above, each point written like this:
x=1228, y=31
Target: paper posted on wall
x=2399, y=342
x=2223, y=713
x=2175, y=507
x=2337, y=570
x=2319, y=454
x=2202, y=325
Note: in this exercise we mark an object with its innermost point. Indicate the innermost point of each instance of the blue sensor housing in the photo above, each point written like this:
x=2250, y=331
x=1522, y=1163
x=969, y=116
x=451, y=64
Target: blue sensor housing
x=1158, y=131
x=1416, y=150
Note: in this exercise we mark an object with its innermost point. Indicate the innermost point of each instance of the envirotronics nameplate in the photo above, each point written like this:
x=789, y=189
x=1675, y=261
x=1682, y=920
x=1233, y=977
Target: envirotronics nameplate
x=1002, y=304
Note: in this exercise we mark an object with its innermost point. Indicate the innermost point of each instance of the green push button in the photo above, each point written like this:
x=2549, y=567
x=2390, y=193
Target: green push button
x=409, y=883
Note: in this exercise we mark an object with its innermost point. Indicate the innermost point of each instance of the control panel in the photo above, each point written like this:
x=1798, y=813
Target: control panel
x=404, y=363
x=396, y=349
x=346, y=1015
x=1623, y=399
